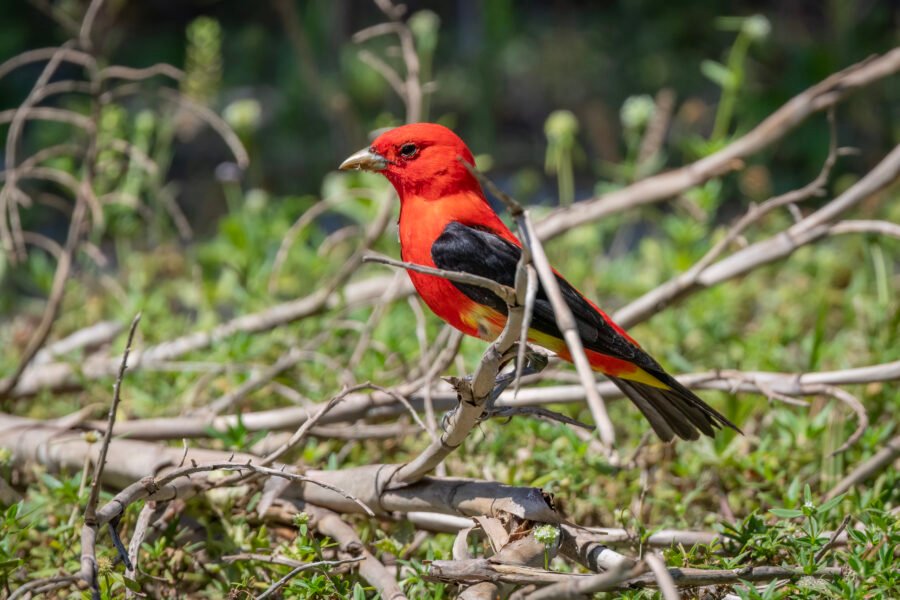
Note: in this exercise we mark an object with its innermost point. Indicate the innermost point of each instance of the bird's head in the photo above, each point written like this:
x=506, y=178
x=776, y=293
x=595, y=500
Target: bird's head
x=422, y=159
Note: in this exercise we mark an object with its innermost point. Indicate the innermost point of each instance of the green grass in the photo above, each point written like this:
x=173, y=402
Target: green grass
x=824, y=308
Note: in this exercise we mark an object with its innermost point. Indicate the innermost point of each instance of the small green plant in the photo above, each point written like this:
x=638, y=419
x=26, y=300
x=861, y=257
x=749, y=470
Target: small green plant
x=548, y=535
x=237, y=436
x=561, y=129
x=732, y=75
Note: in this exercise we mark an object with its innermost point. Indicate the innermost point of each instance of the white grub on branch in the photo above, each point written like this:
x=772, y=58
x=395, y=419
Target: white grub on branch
x=821, y=96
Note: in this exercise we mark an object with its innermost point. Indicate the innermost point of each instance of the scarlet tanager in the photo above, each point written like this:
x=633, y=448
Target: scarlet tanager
x=447, y=223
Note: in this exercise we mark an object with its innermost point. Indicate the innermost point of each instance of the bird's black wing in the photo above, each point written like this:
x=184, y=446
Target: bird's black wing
x=673, y=411
x=479, y=252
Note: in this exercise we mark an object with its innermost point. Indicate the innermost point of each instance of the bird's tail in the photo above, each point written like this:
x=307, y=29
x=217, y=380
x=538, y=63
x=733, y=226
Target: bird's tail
x=674, y=411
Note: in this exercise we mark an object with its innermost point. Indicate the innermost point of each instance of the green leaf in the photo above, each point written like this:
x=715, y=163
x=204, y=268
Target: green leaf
x=826, y=506
x=718, y=73
x=786, y=513
x=132, y=585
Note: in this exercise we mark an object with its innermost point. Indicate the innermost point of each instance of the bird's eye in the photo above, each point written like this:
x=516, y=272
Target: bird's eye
x=408, y=150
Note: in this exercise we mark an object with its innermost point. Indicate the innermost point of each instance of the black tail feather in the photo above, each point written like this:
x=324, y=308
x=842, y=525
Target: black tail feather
x=675, y=411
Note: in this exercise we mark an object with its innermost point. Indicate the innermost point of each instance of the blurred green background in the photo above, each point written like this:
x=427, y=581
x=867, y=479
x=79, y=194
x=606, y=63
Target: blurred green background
x=555, y=99
x=500, y=69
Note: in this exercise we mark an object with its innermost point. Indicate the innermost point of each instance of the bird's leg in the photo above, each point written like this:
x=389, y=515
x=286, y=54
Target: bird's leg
x=535, y=362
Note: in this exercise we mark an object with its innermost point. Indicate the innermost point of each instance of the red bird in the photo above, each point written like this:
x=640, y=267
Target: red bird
x=446, y=222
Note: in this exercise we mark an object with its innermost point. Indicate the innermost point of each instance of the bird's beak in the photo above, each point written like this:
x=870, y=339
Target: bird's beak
x=364, y=160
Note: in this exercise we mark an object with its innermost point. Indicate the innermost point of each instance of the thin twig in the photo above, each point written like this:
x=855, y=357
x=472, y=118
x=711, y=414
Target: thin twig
x=832, y=541
x=88, y=572
x=663, y=578
x=507, y=294
x=273, y=589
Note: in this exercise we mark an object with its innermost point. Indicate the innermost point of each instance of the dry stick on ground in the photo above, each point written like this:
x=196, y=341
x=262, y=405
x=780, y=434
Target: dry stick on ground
x=881, y=460
x=85, y=339
x=832, y=540
x=256, y=381
x=330, y=524
x=88, y=572
x=481, y=569
x=129, y=461
x=358, y=407
x=821, y=96
x=808, y=230
x=577, y=589
x=663, y=578
x=672, y=289
x=60, y=376
x=137, y=539
x=273, y=589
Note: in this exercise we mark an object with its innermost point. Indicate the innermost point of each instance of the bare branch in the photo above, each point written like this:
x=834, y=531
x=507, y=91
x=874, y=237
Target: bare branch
x=868, y=468
x=806, y=231
x=88, y=572
x=663, y=578
x=821, y=96
x=507, y=294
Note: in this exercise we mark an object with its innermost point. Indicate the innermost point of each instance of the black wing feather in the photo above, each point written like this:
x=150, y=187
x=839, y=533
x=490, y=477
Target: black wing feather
x=471, y=250
x=676, y=411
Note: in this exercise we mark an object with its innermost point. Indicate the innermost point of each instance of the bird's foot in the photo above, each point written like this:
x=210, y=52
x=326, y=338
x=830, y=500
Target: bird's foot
x=535, y=362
